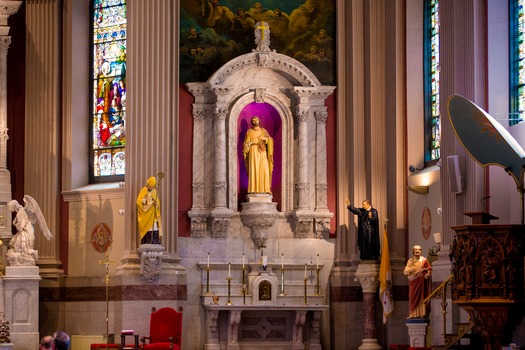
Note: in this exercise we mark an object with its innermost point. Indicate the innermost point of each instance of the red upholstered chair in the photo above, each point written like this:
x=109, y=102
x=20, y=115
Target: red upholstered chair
x=165, y=329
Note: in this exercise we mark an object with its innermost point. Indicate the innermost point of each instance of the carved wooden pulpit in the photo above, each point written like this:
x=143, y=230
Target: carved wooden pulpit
x=488, y=278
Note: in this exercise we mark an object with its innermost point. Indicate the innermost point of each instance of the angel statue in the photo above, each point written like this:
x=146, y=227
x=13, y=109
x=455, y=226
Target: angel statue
x=21, y=252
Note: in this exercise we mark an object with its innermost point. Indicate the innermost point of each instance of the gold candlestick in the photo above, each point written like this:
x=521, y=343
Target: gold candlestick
x=229, y=279
x=305, y=297
x=282, y=281
x=317, y=281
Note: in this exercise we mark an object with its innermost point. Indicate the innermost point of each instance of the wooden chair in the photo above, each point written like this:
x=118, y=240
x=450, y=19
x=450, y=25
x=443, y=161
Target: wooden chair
x=165, y=329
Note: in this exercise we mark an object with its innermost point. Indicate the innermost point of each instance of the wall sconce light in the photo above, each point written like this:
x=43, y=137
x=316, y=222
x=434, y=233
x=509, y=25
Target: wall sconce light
x=418, y=189
x=433, y=252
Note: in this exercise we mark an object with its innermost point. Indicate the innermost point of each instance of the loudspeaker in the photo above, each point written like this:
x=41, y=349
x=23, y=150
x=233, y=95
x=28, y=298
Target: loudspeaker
x=454, y=175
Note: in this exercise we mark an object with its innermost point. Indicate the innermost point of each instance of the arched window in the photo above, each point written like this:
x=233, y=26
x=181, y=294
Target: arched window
x=108, y=133
x=431, y=66
x=517, y=61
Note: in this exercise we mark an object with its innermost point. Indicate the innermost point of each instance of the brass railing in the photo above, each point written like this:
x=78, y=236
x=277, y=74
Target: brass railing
x=444, y=304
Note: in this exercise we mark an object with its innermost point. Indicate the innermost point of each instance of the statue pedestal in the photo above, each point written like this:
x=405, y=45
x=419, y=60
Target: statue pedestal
x=21, y=305
x=150, y=261
x=417, y=331
x=367, y=275
x=259, y=214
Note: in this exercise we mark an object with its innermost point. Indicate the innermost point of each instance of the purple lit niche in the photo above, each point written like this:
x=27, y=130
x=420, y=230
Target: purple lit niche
x=271, y=121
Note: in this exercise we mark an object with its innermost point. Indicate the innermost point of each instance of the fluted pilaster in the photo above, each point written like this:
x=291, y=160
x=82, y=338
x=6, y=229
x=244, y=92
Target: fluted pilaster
x=152, y=128
x=5, y=178
x=376, y=120
x=42, y=120
x=8, y=8
x=463, y=72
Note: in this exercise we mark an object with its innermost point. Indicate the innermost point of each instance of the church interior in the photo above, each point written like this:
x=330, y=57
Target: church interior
x=257, y=268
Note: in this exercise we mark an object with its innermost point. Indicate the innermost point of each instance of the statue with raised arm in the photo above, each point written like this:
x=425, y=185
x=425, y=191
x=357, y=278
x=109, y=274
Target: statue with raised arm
x=21, y=250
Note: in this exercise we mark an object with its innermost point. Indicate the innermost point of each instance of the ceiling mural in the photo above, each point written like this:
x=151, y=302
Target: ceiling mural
x=216, y=31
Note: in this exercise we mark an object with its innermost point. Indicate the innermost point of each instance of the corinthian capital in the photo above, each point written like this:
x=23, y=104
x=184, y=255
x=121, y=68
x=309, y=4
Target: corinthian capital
x=5, y=41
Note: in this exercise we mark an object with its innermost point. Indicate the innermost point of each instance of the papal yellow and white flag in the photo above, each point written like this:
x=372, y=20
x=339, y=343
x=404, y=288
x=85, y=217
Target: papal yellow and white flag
x=385, y=279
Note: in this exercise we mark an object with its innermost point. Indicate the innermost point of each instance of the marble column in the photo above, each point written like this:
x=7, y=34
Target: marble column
x=8, y=8
x=322, y=214
x=198, y=213
x=367, y=275
x=302, y=184
x=219, y=185
x=220, y=214
x=303, y=215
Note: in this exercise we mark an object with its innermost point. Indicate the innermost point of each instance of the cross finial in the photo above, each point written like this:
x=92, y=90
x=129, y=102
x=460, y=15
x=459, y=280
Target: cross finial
x=263, y=27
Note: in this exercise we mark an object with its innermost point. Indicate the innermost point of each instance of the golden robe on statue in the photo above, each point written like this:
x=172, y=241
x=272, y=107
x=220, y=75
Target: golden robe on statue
x=258, y=158
x=148, y=213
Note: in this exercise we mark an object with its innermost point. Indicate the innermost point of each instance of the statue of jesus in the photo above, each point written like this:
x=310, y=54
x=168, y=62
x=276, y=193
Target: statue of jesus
x=258, y=158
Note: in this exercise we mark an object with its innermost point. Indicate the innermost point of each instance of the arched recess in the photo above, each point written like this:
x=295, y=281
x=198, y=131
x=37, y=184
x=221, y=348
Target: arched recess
x=280, y=104
x=295, y=92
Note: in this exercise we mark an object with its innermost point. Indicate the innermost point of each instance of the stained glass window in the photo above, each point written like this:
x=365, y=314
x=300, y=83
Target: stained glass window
x=431, y=64
x=517, y=64
x=108, y=133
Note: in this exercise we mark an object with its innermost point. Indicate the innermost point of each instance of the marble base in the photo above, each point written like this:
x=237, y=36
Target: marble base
x=21, y=293
x=417, y=331
x=370, y=344
x=22, y=272
x=259, y=198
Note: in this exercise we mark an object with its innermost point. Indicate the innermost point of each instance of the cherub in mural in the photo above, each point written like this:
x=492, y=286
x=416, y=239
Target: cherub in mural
x=322, y=37
x=258, y=158
x=279, y=23
x=21, y=250
x=243, y=21
x=217, y=16
x=258, y=13
x=311, y=57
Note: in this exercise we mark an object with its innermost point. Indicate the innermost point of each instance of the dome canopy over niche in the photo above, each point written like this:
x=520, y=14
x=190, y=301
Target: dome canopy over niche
x=294, y=91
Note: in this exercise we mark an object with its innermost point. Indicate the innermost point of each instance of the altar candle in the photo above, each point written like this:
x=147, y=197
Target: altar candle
x=264, y=260
x=317, y=260
x=304, y=270
x=243, y=260
x=208, y=265
x=282, y=260
x=229, y=269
